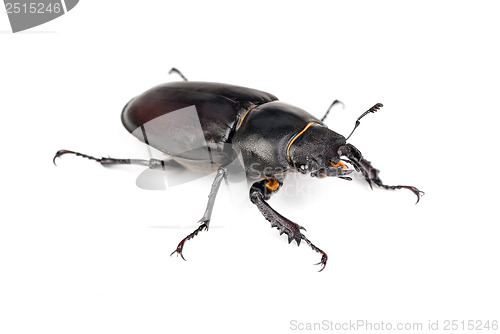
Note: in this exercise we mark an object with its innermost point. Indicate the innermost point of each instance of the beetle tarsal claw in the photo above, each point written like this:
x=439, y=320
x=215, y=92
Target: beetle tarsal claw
x=178, y=251
x=180, y=247
x=60, y=153
x=416, y=191
x=324, y=258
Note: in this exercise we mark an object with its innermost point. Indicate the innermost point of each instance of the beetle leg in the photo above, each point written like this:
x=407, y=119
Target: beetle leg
x=369, y=172
x=174, y=70
x=324, y=257
x=151, y=163
x=260, y=192
x=331, y=106
x=205, y=220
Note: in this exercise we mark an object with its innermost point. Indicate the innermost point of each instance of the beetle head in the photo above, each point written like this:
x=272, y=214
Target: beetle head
x=315, y=151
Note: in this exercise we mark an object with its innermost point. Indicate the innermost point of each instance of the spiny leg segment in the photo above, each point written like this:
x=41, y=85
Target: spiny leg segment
x=262, y=191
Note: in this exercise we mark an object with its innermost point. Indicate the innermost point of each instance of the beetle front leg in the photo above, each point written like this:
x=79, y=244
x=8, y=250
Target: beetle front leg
x=205, y=220
x=260, y=192
x=369, y=172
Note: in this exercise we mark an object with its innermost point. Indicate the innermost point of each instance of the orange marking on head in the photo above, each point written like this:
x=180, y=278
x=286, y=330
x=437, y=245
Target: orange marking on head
x=340, y=163
x=272, y=185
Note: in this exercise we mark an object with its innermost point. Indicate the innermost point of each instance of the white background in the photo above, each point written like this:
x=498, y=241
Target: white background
x=83, y=250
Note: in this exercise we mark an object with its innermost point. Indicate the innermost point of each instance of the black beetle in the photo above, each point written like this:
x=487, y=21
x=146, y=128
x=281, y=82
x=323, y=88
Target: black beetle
x=273, y=138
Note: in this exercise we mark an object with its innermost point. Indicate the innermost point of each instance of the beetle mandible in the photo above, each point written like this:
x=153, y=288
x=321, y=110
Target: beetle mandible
x=273, y=138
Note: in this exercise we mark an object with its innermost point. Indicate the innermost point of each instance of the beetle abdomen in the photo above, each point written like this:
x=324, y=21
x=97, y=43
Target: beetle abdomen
x=207, y=115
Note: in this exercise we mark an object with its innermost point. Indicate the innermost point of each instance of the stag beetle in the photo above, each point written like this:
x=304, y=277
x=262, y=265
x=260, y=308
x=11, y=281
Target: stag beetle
x=273, y=138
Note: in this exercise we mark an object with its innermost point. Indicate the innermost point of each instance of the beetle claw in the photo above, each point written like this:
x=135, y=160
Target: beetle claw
x=180, y=247
x=416, y=191
x=59, y=154
x=179, y=250
x=324, y=258
x=63, y=152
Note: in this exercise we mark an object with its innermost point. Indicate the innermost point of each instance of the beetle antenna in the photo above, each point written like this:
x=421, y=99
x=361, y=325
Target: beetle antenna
x=331, y=106
x=373, y=109
x=174, y=70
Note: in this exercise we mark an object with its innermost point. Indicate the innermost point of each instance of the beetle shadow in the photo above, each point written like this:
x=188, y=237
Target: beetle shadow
x=178, y=136
x=175, y=171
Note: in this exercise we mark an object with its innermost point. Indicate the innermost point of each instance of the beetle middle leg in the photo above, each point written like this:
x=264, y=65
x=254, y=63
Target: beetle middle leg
x=205, y=220
x=260, y=192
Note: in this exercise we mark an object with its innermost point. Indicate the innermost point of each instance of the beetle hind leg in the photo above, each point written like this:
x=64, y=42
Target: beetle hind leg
x=151, y=163
x=260, y=192
x=174, y=70
x=205, y=220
